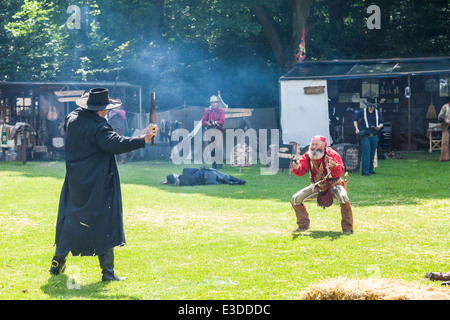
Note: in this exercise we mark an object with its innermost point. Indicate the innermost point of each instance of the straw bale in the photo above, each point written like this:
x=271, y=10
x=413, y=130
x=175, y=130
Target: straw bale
x=373, y=289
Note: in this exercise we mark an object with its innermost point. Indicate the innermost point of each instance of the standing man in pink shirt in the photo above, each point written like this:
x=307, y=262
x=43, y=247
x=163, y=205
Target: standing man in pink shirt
x=214, y=118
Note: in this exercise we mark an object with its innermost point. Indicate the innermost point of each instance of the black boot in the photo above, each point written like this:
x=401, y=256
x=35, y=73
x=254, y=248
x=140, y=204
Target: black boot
x=107, y=264
x=58, y=264
x=439, y=276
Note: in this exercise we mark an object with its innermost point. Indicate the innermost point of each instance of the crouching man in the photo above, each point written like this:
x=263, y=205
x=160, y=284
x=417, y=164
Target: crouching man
x=325, y=169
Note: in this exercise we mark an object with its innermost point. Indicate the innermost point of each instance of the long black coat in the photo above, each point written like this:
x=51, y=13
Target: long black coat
x=90, y=219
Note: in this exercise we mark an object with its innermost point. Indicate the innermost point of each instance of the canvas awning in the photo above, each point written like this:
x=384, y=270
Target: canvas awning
x=354, y=69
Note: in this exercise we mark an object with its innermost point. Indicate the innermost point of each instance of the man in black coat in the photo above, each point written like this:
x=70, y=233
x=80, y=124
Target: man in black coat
x=90, y=220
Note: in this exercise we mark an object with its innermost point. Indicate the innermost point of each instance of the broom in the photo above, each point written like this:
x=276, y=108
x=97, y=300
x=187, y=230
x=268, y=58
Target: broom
x=431, y=113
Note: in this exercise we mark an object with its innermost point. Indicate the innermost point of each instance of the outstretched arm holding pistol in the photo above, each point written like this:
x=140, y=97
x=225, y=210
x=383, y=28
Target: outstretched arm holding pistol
x=151, y=131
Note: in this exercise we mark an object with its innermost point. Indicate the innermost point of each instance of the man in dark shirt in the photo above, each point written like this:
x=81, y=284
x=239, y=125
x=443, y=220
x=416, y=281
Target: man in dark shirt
x=371, y=122
x=202, y=176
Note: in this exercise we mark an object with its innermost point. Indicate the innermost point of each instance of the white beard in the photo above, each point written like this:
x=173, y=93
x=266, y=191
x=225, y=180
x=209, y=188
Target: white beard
x=315, y=153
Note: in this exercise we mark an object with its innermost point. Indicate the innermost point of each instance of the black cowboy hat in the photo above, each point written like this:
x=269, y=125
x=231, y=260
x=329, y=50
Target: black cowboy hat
x=173, y=179
x=371, y=103
x=98, y=99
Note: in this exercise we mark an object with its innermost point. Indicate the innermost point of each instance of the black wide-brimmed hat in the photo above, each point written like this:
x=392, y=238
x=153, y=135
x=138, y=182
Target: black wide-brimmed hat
x=98, y=99
x=371, y=103
x=173, y=179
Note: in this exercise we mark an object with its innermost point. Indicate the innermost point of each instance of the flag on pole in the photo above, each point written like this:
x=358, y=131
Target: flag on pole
x=301, y=55
x=221, y=102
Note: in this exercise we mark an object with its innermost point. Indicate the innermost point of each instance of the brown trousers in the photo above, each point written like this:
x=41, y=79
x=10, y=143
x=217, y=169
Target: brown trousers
x=445, y=152
x=346, y=217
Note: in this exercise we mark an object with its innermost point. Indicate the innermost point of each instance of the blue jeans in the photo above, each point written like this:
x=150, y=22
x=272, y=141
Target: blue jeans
x=369, y=146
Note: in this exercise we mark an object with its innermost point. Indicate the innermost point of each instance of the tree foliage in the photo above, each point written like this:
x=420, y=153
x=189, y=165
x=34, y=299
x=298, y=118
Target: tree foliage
x=187, y=50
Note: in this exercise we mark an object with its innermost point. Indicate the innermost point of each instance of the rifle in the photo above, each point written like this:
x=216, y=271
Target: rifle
x=153, y=113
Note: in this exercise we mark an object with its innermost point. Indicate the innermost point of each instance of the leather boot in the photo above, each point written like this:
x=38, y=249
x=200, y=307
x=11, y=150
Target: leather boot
x=302, y=217
x=58, y=265
x=107, y=264
x=439, y=276
x=347, y=218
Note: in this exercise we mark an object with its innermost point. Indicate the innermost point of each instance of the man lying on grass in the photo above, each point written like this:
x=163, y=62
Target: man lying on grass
x=202, y=176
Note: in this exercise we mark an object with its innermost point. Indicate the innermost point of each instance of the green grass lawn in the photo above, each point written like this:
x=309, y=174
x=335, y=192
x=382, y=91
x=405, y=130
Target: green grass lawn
x=229, y=242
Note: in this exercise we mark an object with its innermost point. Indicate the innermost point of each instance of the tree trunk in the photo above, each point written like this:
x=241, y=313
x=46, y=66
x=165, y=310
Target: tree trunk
x=285, y=53
x=157, y=17
x=301, y=10
x=272, y=35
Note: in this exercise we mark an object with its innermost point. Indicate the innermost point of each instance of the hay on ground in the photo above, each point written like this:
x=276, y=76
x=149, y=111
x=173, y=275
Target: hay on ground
x=373, y=289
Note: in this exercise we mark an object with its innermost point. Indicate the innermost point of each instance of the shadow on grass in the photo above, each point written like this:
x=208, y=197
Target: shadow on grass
x=63, y=287
x=331, y=235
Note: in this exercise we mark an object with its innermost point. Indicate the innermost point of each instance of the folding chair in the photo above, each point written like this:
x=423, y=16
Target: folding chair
x=434, y=133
